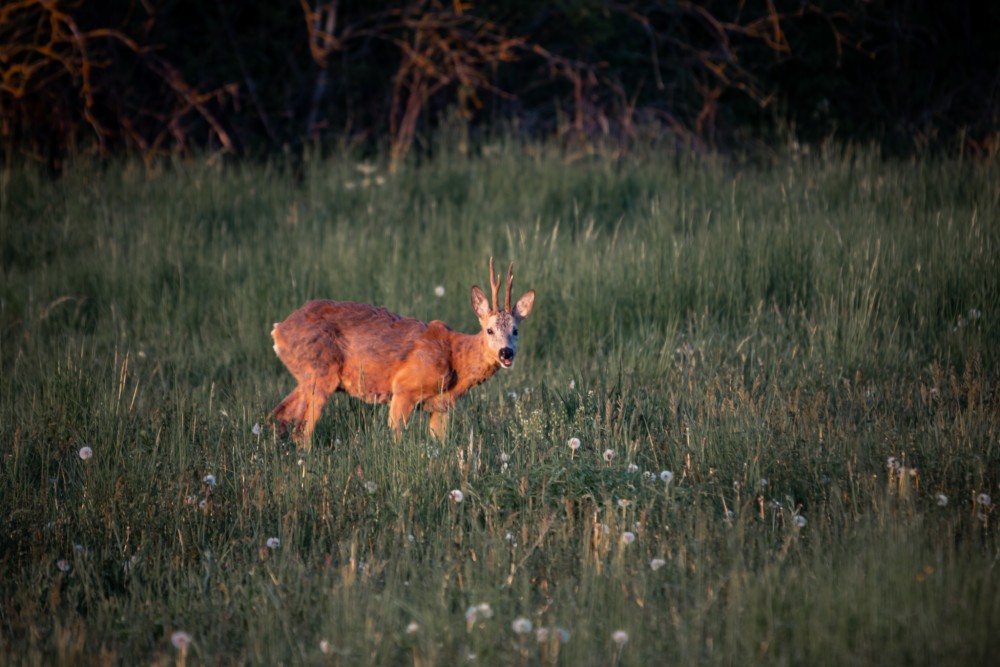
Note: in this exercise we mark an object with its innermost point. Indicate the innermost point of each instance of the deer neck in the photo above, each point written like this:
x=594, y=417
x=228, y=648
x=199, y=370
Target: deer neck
x=472, y=361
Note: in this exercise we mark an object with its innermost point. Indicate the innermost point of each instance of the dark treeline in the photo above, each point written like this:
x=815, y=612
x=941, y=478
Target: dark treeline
x=249, y=78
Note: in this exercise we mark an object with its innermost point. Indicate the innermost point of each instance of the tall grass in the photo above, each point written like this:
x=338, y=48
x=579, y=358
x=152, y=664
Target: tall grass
x=771, y=335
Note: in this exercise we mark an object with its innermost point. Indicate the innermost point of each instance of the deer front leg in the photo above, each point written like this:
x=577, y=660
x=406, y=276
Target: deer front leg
x=439, y=424
x=400, y=410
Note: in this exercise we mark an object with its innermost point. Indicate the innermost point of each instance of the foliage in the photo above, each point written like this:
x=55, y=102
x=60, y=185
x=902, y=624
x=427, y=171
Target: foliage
x=809, y=347
x=257, y=78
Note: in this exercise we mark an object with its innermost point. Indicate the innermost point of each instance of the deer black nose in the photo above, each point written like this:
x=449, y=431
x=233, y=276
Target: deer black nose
x=506, y=354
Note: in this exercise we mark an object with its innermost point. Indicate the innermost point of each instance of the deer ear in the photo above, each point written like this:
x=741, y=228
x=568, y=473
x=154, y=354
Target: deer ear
x=523, y=306
x=479, y=303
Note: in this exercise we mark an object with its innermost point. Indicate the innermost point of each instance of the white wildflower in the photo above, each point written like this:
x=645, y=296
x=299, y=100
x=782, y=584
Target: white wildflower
x=86, y=453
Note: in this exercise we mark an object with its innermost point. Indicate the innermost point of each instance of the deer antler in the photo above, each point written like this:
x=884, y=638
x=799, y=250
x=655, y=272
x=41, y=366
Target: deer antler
x=494, y=285
x=510, y=282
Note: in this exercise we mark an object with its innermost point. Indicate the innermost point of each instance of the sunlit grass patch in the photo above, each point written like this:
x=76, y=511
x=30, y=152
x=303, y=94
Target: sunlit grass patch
x=754, y=417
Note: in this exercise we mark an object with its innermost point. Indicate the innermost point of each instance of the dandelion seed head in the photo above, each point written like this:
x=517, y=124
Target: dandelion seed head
x=273, y=542
x=942, y=500
x=371, y=486
x=622, y=503
x=632, y=468
x=656, y=564
x=619, y=637
x=256, y=430
x=457, y=496
x=63, y=565
x=799, y=521
x=667, y=476
x=609, y=454
x=324, y=647
x=209, y=479
x=984, y=499
x=86, y=453
x=574, y=443
x=181, y=640
x=479, y=612
x=521, y=625
x=542, y=635
x=412, y=628
x=628, y=537
x=892, y=463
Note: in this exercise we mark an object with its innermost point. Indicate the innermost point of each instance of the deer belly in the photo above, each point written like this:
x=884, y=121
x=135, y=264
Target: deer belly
x=371, y=384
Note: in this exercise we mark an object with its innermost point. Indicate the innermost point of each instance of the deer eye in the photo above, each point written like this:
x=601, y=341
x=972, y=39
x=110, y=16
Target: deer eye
x=515, y=332
x=489, y=331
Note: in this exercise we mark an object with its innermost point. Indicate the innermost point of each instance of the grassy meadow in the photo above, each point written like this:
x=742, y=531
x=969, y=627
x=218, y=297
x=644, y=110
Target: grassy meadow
x=783, y=378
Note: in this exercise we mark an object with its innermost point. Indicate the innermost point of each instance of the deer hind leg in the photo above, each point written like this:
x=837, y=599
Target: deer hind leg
x=290, y=411
x=316, y=365
x=319, y=393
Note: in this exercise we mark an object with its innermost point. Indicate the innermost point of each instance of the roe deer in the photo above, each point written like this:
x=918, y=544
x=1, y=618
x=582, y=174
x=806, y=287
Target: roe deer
x=380, y=357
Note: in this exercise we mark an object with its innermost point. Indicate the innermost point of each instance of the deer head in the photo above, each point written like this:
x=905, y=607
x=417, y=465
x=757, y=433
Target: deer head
x=500, y=326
